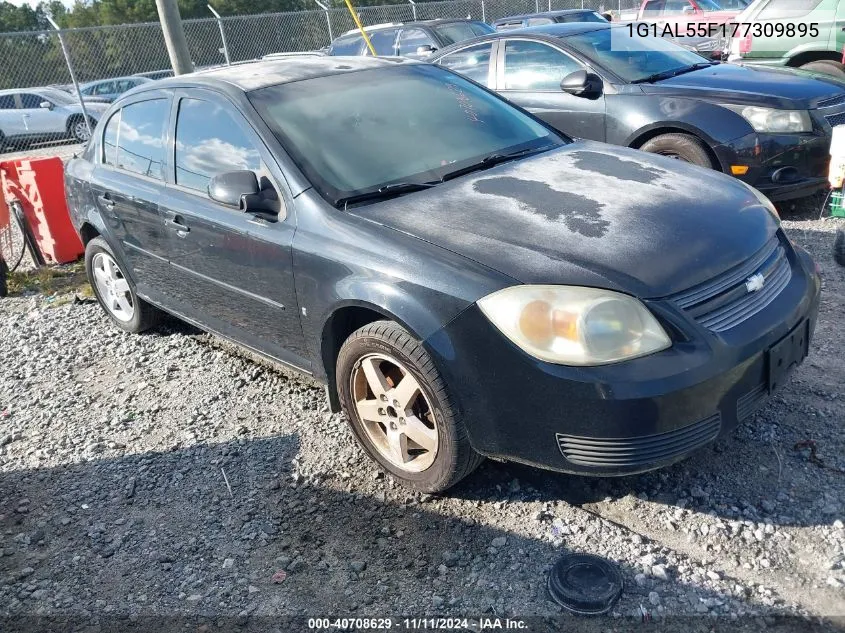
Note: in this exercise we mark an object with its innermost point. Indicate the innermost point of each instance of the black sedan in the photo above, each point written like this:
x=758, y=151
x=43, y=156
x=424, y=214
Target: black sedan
x=465, y=279
x=548, y=17
x=770, y=128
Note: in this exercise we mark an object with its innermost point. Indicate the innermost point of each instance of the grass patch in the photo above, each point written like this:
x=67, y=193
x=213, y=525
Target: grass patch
x=69, y=279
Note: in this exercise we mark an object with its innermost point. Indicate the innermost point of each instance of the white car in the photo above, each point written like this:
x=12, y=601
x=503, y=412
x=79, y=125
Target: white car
x=44, y=114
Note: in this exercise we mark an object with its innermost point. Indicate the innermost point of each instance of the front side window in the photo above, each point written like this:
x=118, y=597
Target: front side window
x=472, y=62
x=784, y=9
x=30, y=101
x=105, y=88
x=383, y=41
x=509, y=26
x=653, y=9
x=391, y=112
x=411, y=39
x=673, y=7
x=539, y=21
x=140, y=137
x=535, y=66
x=210, y=142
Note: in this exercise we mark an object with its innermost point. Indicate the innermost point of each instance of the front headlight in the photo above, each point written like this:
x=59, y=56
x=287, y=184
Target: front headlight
x=764, y=201
x=572, y=325
x=772, y=120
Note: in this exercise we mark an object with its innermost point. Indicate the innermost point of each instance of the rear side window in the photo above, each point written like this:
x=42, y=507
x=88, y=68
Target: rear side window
x=110, y=140
x=140, y=137
x=383, y=41
x=653, y=9
x=472, y=62
x=347, y=45
x=539, y=21
x=7, y=102
x=780, y=9
x=590, y=16
x=210, y=142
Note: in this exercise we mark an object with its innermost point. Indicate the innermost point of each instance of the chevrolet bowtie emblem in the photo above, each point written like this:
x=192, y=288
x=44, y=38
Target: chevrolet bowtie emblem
x=755, y=283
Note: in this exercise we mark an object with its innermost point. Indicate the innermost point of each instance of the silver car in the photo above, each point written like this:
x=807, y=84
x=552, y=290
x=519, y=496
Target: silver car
x=44, y=114
x=108, y=90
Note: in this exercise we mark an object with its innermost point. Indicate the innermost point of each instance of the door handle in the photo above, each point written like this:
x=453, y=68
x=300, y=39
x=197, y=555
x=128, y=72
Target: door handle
x=106, y=201
x=177, y=225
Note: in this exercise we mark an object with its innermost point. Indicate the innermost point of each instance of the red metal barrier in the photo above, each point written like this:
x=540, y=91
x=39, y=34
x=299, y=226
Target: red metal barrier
x=38, y=184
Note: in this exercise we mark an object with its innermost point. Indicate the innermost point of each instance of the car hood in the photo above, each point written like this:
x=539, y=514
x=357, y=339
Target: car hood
x=590, y=214
x=730, y=83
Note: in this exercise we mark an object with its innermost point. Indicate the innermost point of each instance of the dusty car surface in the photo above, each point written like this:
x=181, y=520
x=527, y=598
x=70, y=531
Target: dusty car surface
x=771, y=129
x=465, y=279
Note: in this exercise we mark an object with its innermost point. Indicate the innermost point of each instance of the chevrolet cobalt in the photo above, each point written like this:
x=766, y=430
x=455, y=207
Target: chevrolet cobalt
x=467, y=281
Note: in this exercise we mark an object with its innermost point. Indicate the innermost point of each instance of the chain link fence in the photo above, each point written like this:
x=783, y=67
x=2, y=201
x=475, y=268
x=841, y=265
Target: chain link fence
x=108, y=60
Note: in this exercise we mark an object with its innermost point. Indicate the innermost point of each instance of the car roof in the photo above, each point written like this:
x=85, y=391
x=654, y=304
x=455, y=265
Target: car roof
x=393, y=25
x=543, y=14
x=102, y=81
x=271, y=72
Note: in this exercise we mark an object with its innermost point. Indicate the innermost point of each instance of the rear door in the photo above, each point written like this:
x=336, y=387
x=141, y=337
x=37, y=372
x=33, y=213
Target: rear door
x=232, y=271
x=11, y=123
x=127, y=182
x=529, y=73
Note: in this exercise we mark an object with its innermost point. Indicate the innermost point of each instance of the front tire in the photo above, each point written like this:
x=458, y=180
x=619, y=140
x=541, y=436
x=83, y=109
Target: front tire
x=78, y=130
x=683, y=147
x=826, y=66
x=114, y=290
x=399, y=408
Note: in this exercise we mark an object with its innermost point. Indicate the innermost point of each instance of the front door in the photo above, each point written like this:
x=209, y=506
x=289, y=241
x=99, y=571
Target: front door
x=37, y=120
x=127, y=182
x=529, y=74
x=232, y=270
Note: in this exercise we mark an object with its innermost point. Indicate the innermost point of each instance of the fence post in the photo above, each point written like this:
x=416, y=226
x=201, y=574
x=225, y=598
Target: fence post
x=72, y=74
x=413, y=8
x=483, y=12
x=550, y=4
x=328, y=19
x=536, y=6
x=222, y=34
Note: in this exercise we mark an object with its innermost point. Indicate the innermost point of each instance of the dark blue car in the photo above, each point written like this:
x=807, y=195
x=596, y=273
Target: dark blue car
x=467, y=281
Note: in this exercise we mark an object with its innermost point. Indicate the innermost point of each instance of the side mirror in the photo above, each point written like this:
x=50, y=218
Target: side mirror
x=688, y=10
x=581, y=84
x=231, y=187
x=425, y=49
x=46, y=105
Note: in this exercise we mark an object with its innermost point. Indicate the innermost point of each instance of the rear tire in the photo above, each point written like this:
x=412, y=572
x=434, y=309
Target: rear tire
x=684, y=147
x=826, y=66
x=115, y=292
x=839, y=247
x=387, y=422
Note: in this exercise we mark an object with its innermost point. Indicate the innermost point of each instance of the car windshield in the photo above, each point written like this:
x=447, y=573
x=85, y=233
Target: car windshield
x=358, y=132
x=57, y=96
x=632, y=58
x=460, y=31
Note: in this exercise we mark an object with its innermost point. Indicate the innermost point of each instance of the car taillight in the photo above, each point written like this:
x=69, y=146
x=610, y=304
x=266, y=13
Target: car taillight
x=843, y=54
x=745, y=45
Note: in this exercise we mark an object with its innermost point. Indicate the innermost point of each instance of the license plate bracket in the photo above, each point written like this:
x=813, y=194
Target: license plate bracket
x=787, y=354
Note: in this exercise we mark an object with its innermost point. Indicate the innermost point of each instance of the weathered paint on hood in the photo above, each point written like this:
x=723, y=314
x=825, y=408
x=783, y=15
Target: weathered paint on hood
x=590, y=214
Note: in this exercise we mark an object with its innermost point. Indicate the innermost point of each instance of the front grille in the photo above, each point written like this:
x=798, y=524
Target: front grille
x=725, y=302
x=836, y=119
x=833, y=101
x=638, y=451
x=748, y=404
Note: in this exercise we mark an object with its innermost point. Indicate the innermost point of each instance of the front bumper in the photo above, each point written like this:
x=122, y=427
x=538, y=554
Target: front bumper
x=617, y=419
x=782, y=166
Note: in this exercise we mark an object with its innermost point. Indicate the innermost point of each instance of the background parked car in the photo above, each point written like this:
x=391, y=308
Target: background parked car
x=41, y=114
x=109, y=89
x=547, y=17
x=409, y=39
x=155, y=74
x=820, y=54
x=771, y=129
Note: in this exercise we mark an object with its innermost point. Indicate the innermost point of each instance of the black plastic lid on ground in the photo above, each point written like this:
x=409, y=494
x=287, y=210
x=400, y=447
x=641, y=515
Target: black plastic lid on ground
x=585, y=584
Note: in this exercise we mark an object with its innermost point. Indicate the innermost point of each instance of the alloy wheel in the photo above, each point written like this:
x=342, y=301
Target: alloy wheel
x=113, y=287
x=80, y=131
x=395, y=412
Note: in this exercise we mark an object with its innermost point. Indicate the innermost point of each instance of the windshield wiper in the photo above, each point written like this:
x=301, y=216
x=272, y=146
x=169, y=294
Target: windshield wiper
x=666, y=74
x=492, y=160
x=387, y=191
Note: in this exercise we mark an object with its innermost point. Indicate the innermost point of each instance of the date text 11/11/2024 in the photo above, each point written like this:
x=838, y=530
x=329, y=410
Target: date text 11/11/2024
x=724, y=30
x=416, y=624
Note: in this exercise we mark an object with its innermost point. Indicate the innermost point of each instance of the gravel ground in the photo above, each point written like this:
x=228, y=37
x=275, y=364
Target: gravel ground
x=168, y=474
